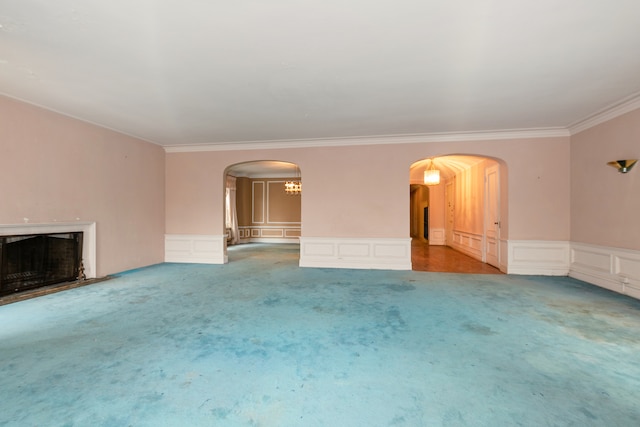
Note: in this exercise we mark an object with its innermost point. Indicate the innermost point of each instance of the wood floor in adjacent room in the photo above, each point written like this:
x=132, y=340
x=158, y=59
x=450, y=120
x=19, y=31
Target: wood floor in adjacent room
x=443, y=259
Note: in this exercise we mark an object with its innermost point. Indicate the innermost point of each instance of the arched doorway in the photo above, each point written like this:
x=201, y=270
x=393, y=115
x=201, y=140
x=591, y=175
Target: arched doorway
x=258, y=208
x=463, y=211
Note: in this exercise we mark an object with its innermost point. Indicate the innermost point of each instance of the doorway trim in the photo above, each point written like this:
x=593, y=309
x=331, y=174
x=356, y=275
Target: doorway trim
x=491, y=251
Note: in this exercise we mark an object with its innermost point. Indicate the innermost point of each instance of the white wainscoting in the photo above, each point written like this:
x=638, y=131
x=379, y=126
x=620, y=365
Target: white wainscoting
x=88, y=230
x=437, y=236
x=549, y=258
x=195, y=248
x=504, y=250
x=269, y=234
x=612, y=268
x=468, y=243
x=367, y=253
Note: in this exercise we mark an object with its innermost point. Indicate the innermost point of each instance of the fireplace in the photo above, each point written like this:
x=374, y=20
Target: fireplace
x=87, y=250
x=36, y=260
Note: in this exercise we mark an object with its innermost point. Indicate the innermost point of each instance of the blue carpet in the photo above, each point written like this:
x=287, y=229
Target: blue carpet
x=261, y=342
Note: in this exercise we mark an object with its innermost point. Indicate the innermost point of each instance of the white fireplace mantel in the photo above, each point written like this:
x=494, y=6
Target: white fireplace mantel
x=88, y=239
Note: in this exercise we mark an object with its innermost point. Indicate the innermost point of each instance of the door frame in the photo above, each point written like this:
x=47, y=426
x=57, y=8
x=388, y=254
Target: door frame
x=492, y=223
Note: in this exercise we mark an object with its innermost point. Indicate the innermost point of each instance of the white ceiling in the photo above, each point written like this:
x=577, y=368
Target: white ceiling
x=191, y=72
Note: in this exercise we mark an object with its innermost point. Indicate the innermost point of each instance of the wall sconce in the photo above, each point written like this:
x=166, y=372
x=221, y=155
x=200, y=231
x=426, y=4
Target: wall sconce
x=431, y=175
x=623, y=166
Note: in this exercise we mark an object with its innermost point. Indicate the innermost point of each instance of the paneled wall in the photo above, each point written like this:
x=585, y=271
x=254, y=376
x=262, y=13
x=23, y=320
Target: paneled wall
x=265, y=212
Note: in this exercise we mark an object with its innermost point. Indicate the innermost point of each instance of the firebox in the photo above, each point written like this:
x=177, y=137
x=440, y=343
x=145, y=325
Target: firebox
x=36, y=260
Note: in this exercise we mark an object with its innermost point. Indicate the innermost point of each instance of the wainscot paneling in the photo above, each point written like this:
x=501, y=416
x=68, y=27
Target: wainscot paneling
x=368, y=253
x=194, y=248
x=269, y=234
x=612, y=268
x=504, y=250
x=468, y=243
x=549, y=258
x=437, y=236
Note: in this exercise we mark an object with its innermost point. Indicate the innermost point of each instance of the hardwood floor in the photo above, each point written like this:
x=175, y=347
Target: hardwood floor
x=444, y=259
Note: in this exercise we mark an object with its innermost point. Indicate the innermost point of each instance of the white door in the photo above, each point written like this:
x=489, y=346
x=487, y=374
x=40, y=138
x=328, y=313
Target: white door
x=492, y=216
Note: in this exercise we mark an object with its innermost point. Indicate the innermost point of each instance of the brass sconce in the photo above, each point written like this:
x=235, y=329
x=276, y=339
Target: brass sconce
x=623, y=166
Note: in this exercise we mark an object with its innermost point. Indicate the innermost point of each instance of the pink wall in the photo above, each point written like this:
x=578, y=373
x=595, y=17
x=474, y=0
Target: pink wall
x=57, y=169
x=605, y=204
x=344, y=194
x=363, y=191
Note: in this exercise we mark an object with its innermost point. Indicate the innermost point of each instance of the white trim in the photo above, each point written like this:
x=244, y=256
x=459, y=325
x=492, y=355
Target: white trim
x=504, y=249
x=372, y=140
x=279, y=240
x=491, y=241
x=437, y=236
x=268, y=204
x=611, y=268
x=253, y=198
x=468, y=243
x=538, y=257
x=610, y=112
x=84, y=120
x=256, y=234
x=272, y=232
x=361, y=253
x=88, y=238
x=195, y=248
x=297, y=232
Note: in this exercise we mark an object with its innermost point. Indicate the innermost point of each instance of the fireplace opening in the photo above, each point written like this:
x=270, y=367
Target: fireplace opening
x=36, y=260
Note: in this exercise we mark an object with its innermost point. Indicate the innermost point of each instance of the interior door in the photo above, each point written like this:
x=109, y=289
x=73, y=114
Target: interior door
x=492, y=216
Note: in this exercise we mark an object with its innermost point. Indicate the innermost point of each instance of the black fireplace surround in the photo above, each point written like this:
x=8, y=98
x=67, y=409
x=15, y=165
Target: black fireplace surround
x=35, y=260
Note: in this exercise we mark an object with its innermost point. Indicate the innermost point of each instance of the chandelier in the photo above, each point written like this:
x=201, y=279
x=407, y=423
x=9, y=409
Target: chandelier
x=294, y=187
x=431, y=175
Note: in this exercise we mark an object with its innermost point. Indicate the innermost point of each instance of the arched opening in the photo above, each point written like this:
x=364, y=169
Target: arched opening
x=457, y=224
x=262, y=204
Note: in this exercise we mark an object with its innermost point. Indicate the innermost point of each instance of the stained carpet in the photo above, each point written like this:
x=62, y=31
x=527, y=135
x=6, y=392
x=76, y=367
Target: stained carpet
x=261, y=342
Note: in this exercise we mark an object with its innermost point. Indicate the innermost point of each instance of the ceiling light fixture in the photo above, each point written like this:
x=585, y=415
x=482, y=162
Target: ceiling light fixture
x=294, y=187
x=431, y=174
x=623, y=166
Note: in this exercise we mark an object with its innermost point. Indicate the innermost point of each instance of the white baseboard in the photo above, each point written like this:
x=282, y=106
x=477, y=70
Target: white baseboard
x=538, y=257
x=362, y=253
x=195, y=248
x=612, y=268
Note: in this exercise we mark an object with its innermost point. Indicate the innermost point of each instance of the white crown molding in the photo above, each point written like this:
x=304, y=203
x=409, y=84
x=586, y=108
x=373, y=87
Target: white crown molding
x=373, y=140
x=78, y=118
x=610, y=112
